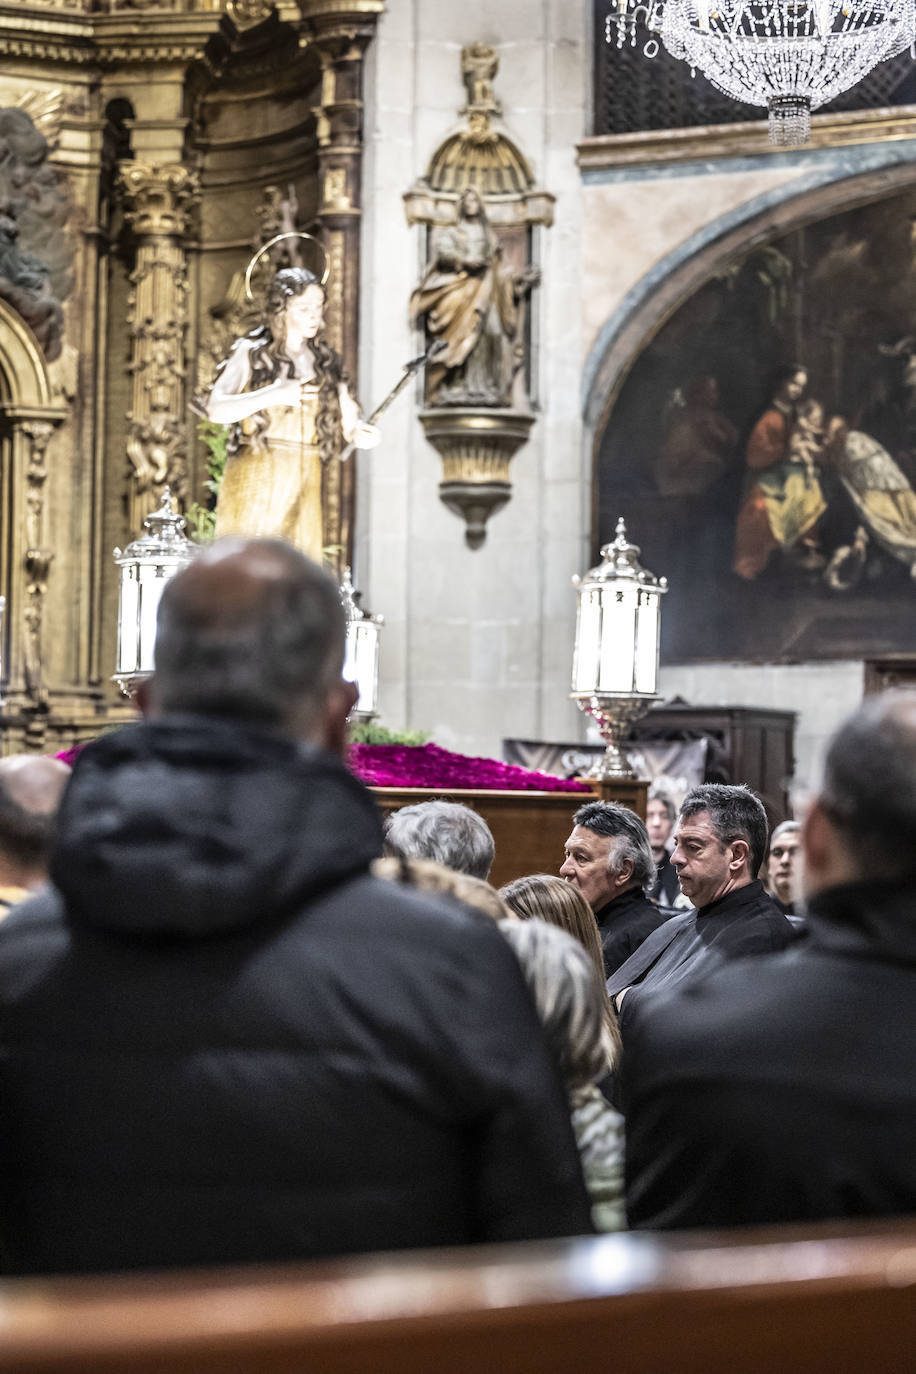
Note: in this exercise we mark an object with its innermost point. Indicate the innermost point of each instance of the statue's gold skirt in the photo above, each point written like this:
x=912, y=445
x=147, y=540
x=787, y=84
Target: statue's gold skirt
x=272, y=488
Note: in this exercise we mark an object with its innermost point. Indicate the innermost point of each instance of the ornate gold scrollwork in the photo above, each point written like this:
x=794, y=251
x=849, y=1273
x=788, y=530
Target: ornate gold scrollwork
x=159, y=200
x=38, y=559
x=246, y=14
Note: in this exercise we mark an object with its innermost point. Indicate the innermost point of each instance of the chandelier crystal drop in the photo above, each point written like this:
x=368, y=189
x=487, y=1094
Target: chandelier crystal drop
x=790, y=56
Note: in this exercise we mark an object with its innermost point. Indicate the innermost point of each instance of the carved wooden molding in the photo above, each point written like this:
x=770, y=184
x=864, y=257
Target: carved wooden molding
x=158, y=205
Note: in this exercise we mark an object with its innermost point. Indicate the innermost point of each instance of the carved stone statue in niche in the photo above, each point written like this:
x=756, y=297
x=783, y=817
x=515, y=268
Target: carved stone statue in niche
x=478, y=206
x=470, y=298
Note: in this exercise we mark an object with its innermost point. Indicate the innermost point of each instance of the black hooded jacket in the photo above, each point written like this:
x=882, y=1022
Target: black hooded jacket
x=781, y=1088
x=222, y=1040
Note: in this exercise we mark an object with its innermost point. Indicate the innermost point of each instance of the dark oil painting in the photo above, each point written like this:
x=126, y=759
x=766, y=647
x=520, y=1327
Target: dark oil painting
x=763, y=449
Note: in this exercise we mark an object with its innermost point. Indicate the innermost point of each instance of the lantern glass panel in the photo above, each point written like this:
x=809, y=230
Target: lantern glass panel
x=588, y=641
x=152, y=585
x=361, y=663
x=618, y=633
x=647, y=627
x=128, y=646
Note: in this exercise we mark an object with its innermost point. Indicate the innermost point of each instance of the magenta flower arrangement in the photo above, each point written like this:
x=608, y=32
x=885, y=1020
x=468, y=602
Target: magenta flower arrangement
x=426, y=765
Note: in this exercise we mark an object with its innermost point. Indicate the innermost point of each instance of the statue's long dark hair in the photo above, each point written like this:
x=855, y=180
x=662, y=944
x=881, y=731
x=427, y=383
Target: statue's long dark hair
x=267, y=357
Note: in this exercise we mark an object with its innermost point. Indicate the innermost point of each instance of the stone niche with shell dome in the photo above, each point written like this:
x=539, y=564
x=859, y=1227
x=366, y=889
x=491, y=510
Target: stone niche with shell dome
x=481, y=212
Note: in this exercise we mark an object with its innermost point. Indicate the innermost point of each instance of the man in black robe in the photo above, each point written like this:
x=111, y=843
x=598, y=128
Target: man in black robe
x=661, y=813
x=782, y=1088
x=782, y=859
x=609, y=860
x=721, y=839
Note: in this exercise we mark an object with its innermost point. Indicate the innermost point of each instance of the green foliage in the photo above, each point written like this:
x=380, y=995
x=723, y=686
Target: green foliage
x=202, y=519
x=365, y=732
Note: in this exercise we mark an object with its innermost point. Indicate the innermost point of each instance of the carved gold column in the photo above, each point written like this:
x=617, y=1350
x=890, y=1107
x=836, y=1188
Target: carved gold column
x=25, y=563
x=340, y=33
x=158, y=202
x=38, y=557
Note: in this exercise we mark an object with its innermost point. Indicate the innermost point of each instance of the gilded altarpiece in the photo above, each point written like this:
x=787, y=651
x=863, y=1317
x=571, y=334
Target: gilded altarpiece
x=160, y=141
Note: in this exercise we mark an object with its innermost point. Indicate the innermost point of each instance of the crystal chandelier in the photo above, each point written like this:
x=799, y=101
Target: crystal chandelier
x=790, y=56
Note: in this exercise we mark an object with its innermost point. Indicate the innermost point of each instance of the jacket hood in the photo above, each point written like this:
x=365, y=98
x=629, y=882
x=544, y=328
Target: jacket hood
x=877, y=917
x=193, y=826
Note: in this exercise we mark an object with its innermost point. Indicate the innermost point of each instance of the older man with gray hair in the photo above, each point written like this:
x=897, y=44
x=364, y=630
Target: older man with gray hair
x=609, y=859
x=446, y=832
x=782, y=1089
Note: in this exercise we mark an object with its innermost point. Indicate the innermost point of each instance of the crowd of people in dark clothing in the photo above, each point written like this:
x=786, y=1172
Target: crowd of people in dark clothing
x=243, y=1020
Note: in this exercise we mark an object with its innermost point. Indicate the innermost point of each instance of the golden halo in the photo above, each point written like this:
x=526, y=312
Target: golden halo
x=277, y=239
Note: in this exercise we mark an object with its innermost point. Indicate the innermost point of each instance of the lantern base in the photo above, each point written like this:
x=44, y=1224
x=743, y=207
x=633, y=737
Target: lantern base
x=130, y=683
x=613, y=715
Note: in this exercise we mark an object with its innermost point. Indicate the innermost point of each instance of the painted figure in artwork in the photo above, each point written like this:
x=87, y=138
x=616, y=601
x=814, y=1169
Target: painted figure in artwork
x=699, y=443
x=783, y=500
x=885, y=504
x=283, y=392
x=471, y=300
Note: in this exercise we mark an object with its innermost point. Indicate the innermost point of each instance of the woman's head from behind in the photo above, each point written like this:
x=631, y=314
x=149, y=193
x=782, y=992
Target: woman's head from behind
x=568, y=998
x=556, y=901
x=547, y=898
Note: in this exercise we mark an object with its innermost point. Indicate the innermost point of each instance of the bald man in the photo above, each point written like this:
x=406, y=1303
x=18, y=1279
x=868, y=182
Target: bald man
x=221, y=1039
x=31, y=787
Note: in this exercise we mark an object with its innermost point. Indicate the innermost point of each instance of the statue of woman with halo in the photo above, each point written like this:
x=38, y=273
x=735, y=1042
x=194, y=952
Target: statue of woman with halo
x=283, y=393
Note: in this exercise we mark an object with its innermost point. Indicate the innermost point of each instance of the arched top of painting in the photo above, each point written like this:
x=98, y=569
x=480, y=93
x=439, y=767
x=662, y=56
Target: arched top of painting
x=24, y=377
x=880, y=172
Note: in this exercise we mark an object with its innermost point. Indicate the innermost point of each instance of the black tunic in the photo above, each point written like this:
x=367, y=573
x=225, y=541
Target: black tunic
x=744, y=921
x=782, y=1089
x=623, y=925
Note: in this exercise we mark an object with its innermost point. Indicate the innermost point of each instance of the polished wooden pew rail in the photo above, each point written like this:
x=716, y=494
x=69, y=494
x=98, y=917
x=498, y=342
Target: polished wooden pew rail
x=832, y=1299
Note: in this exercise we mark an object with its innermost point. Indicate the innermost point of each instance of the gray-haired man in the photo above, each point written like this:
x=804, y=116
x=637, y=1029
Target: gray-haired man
x=609, y=860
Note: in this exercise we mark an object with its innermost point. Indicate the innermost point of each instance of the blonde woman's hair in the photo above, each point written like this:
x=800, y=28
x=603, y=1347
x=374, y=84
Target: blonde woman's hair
x=568, y=998
x=547, y=898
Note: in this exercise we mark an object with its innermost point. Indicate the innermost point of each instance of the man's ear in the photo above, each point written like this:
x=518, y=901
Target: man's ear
x=817, y=839
x=341, y=699
x=623, y=874
x=741, y=855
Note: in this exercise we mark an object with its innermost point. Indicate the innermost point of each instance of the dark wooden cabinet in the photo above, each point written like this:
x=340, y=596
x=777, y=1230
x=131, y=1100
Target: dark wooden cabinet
x=893, y=670
x=745, y=744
